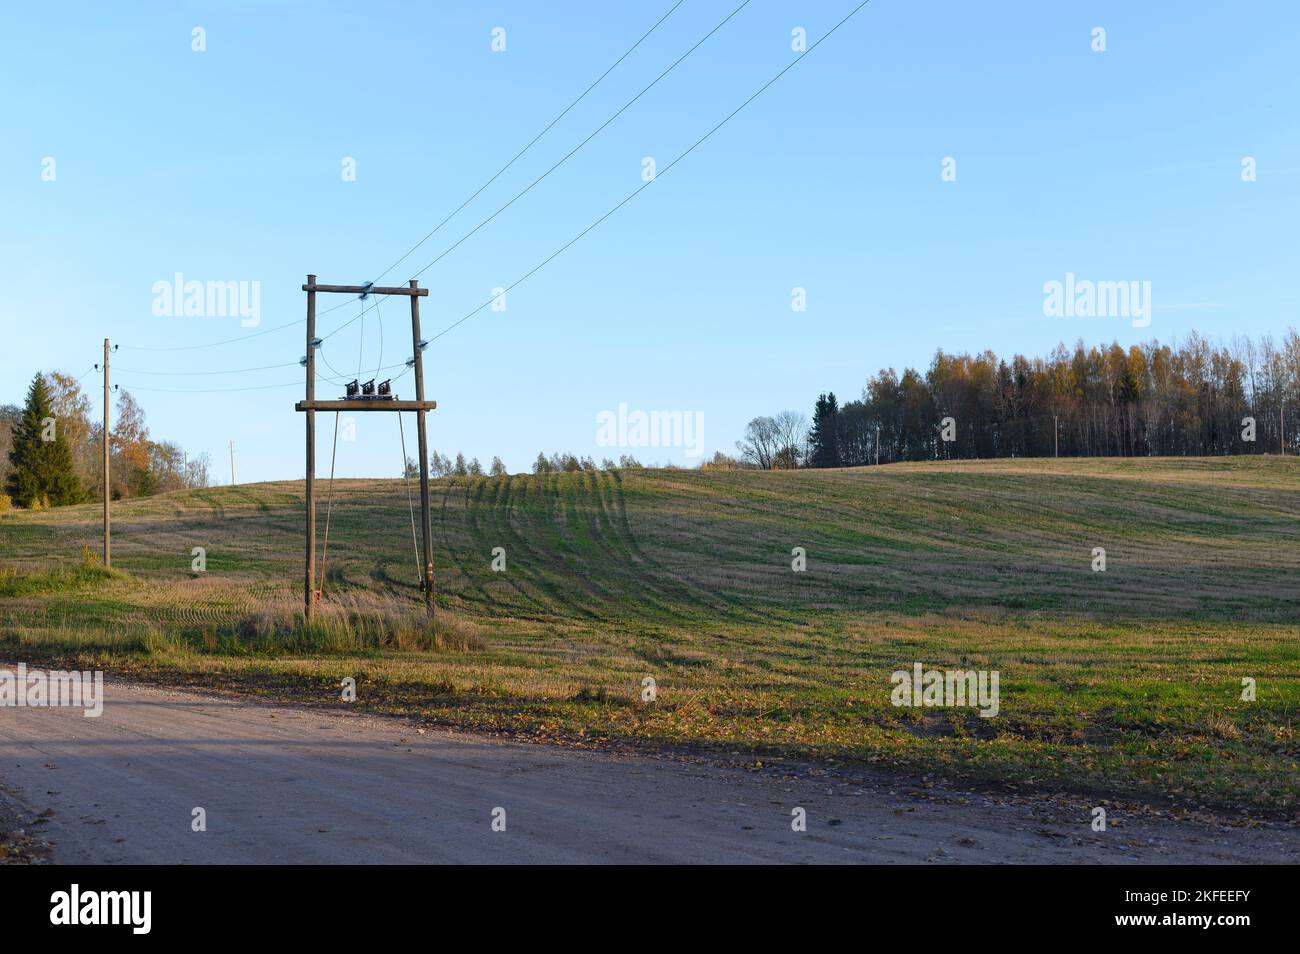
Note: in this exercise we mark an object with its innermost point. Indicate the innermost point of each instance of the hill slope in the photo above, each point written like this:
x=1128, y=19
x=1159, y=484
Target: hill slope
x=1131, y=676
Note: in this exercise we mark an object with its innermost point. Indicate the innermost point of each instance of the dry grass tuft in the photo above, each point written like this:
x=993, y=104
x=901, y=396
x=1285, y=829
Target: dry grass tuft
x=355, y=625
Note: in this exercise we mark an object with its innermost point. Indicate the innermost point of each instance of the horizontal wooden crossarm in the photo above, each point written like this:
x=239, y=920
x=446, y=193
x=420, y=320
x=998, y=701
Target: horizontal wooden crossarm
x=367, y=289
x=362, y=404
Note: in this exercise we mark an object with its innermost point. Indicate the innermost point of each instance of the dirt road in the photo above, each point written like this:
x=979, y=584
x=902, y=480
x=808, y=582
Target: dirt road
x=287, y=784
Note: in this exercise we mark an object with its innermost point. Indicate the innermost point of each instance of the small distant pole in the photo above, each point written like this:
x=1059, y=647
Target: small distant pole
x=1282, y=422
x=877, y=445
x=232, y=463
x=1056, y=436
x=107, y=554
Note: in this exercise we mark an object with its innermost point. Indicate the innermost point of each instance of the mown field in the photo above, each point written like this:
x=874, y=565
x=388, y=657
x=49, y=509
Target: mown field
x=1126, y=682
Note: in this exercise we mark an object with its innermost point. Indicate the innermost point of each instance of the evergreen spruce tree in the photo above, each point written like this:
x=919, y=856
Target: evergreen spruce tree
x=823, y=439
x=43, y=472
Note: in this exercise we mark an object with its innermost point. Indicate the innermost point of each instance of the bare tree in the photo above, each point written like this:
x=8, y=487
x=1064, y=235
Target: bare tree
x=760, y=443
x=196, y=470
x=791, y=429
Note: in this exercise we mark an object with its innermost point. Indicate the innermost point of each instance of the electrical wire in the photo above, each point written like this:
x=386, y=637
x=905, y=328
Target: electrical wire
x=213, y=344
x=379, y=319
x=257, y=387
x=361, y=345
x=662, y=172
x=584, y=142
x=545, y=261
x=329, y=509
x=547, y=128
x=517, y=156
x=265, y=367
x=410, y=501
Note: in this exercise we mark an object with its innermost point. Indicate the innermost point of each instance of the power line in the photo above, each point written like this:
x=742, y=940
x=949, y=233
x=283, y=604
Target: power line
x=584, y=142
x=337, y=378
x=257, y=387
x=536, y=181
x=494, y=177
x=516, y=156
x=486, y=184
x=533, y=141
x=338, y=374
x=572, y=241
x=186, y=374
x=344, y=377
x=236, y=340
x=644, y=186
x=379, y=318
x=361, y=343
x=213, y=344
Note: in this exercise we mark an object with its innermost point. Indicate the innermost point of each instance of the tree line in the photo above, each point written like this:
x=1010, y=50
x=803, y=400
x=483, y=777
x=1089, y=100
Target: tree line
x=51, y=451
x=1194, y=398
x=1190, y=399
x=560, y=462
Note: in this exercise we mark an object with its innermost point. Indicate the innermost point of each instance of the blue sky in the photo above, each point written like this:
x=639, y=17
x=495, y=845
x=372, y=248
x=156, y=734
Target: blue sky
x=225, y=165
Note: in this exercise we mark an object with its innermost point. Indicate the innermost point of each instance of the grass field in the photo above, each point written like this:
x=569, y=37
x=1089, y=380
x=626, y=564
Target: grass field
x=1124, y=682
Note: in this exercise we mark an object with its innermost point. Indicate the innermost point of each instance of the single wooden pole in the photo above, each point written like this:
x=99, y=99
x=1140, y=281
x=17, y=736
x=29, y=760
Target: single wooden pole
x=309, y=578
x=1056, y=436
x=232, y=463
x=108, y=559
x=426, y=526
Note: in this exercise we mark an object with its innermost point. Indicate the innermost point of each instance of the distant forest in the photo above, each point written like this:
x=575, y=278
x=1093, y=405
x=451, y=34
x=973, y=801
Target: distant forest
x=140, y=466
x=1190, y=399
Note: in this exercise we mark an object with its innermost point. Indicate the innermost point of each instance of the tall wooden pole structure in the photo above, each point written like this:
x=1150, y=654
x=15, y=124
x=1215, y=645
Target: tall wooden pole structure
x=310, y=406
x=426, y=527
x=309, y=585
x=108, y=557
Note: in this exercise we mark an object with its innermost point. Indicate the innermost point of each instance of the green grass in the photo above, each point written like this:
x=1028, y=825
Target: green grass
x=1127, y=681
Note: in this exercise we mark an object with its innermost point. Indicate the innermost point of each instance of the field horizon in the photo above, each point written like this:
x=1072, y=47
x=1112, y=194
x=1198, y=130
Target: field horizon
x=1123, y=681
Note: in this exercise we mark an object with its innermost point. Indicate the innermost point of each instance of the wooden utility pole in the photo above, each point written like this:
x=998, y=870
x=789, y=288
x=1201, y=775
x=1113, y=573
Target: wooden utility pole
x=232, y=463
x=107, y=554
x=309, y=586
x=1056, y=436
x=310, y=406
x=426, y=526
x=877, y=446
